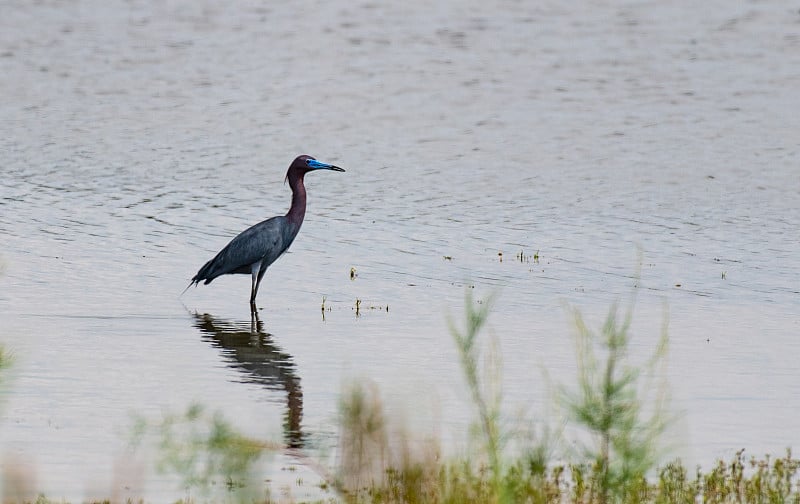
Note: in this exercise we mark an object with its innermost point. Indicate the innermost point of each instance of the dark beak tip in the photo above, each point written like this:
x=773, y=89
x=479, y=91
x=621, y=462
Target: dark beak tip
x=336, y=168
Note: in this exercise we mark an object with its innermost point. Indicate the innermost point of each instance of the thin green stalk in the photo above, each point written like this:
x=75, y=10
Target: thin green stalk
x=488, y=409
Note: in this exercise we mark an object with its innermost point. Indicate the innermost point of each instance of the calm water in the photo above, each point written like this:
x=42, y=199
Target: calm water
x=137, y=138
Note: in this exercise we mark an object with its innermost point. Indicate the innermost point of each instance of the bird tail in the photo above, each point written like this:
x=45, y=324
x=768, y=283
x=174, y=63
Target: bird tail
x=205, y=273
x=201, y=275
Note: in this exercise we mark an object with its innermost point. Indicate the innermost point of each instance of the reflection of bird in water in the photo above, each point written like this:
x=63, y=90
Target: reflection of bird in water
x=253, y=352
x=255, y=248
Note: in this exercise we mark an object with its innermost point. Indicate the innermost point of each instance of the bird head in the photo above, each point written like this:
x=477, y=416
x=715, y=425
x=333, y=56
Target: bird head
x=304, y=164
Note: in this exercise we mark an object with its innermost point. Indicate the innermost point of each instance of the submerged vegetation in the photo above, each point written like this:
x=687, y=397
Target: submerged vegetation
x=620, y=407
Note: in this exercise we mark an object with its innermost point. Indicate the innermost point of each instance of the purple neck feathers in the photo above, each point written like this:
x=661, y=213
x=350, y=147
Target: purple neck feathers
x=298, y=209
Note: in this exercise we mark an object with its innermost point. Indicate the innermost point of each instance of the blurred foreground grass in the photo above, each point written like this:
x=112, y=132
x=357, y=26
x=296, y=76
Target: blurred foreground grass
x=618, y=464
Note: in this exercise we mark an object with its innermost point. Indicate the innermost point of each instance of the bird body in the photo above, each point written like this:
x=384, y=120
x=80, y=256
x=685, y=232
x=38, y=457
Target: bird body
x=257, y=246
x=253, y=250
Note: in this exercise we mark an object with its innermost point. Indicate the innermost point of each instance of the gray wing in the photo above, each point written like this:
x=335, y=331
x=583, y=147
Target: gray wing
x=265, y=241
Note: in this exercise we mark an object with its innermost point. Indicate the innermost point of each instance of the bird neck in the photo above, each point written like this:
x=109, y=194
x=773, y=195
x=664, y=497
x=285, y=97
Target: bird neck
x=298, y=209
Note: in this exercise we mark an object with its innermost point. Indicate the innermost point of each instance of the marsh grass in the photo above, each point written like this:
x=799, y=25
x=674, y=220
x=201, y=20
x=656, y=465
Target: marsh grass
x=204, y=451
x=616, y=401
x=619, y=404
x=527, y=480
x=374, y=464
x=486, y=393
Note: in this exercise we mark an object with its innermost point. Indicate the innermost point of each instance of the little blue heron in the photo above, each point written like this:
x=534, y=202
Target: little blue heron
x=255, y=248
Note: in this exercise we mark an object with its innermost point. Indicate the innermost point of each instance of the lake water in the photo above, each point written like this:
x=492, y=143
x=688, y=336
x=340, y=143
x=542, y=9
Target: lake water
x=138, y=137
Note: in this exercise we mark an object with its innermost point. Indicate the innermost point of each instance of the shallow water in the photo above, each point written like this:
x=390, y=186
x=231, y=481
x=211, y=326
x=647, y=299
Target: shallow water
x=138, y=138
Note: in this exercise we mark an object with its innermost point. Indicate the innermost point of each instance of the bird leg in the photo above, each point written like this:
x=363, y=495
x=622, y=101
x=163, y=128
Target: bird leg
x=255, y=280
x=257, y=273
x=258, y=282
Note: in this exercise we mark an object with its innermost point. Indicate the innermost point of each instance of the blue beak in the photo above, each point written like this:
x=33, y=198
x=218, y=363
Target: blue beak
x=319, y=165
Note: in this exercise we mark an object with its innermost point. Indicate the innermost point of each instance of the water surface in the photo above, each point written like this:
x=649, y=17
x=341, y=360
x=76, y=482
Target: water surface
x=138, y=138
